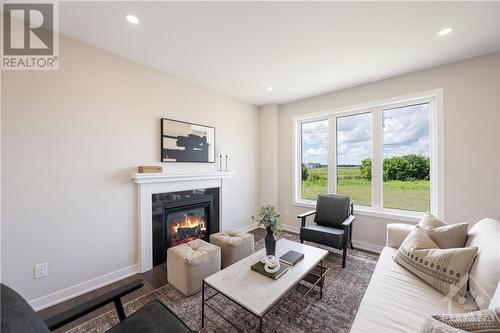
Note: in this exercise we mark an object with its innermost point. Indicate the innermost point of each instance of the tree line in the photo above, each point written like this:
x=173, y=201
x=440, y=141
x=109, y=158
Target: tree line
x=406, y=168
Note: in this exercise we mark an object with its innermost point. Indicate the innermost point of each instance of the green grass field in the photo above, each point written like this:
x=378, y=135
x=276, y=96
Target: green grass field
x=407, y=195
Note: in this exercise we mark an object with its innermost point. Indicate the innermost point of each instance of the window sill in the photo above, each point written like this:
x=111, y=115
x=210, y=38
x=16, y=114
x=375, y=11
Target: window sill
x=390, y=214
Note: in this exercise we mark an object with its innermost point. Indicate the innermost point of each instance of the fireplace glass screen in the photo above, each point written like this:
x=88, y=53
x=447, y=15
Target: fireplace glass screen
x=187, y=224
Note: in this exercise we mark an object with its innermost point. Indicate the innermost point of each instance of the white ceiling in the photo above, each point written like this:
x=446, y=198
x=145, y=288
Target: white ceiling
x=302, y=49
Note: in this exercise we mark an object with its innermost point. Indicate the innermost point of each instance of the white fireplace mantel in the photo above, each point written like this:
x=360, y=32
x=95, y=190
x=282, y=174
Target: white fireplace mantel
x=141, y=178
x=153, y=183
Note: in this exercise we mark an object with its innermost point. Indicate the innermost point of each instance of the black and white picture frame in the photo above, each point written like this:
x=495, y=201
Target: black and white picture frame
x=187, y=142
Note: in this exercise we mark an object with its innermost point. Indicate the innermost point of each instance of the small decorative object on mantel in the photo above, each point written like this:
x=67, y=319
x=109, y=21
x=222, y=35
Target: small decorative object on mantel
x=223, y=160
x=269, y=218
x=150, y=169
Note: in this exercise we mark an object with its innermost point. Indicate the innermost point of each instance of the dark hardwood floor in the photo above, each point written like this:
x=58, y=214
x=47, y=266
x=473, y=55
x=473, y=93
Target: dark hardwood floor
x=154, y=278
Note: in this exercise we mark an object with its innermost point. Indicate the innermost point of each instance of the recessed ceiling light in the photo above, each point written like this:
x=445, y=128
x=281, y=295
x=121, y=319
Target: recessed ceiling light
x=269, y=88
x=132, y=19
x=445, y=31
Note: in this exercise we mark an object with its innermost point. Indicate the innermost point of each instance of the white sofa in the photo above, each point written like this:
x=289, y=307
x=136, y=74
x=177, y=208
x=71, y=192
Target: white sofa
x=398, y=301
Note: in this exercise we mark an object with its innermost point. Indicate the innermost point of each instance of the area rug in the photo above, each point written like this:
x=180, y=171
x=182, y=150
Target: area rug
x=335, y=312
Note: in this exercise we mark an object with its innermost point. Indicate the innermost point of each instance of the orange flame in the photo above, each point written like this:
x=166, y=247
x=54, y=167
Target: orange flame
x=190, y=222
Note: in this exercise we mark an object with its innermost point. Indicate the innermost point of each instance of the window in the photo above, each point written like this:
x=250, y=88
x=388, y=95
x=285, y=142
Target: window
x=314, y=172
x=407, y=158
x=385, y=156
x=354, y=152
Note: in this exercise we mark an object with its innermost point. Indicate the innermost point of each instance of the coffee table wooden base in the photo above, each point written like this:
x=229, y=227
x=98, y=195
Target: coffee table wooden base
x=317, y=280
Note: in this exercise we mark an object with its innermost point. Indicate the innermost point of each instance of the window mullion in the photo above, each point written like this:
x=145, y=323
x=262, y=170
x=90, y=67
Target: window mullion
x=298, y=161
x=332, y=154
x=377, y=159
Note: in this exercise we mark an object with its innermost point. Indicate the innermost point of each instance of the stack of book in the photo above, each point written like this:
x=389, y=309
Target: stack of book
x=290, y=258
x=259, y=267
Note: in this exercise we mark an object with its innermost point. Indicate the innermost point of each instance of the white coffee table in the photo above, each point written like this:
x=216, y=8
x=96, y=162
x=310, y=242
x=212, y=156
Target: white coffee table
x=257, y=293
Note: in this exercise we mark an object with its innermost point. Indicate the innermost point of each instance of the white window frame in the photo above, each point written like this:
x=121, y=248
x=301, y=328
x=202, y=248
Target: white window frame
x=436, y=133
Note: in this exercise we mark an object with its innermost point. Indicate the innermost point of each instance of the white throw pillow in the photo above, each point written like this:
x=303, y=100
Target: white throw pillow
x=446, y=236
x=446, y=270
x=429, y=221
x=485, y=272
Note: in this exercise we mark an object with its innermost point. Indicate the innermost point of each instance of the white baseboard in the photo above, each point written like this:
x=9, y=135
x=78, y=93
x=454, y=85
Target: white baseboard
x=367, y=246
x=357, y=244
x=290, y=228
x=82, y=288
x=248, y=228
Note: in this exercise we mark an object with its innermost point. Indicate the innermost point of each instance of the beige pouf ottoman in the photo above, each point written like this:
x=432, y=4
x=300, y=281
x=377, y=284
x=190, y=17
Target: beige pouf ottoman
x=188, y=264
x=234, y=245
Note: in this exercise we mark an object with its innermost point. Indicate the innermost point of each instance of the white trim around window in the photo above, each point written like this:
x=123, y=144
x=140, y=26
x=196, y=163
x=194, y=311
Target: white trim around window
x=435, y=98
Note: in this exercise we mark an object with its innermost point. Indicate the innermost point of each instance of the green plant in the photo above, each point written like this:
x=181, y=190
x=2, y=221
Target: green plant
x=405, y=168
x=269, y=218
x=305, y=172
x=366, y=169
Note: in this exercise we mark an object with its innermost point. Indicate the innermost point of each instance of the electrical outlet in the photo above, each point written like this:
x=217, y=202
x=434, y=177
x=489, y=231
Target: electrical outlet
x=41, y=270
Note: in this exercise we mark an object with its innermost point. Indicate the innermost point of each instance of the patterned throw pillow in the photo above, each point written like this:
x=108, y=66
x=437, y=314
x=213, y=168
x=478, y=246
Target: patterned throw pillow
x=483, y=321
x=446, y=236
x=446, y=270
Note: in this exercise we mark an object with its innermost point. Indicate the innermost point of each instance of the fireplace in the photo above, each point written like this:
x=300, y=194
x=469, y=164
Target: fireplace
x=180, y=217
x=187, y=224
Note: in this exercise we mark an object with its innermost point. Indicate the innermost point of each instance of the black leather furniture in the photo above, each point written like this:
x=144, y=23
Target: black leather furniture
x=17, y=316
x=333, y=223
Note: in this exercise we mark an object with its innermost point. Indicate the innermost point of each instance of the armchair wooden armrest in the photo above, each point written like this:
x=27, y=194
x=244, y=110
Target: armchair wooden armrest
x=306, y=214
x=303, y=216
x=114, y=296
x=347, y=223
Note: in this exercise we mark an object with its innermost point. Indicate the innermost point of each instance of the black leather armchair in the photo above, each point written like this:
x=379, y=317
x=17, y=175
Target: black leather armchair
x=17, y=315
x=333, y=219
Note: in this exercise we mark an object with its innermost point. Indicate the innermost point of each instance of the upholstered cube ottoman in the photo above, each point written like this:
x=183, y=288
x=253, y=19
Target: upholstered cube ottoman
x=234, y=245
x=188, y=264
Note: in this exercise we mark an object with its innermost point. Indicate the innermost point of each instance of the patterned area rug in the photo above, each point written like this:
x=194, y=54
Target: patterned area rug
x=335, y=312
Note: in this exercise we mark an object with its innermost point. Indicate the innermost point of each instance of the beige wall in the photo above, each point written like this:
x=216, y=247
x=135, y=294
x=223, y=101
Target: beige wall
x=472, y=146
x=70, y=139
x=268, y=155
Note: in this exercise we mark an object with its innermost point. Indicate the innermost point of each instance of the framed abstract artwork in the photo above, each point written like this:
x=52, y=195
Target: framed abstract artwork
x=187, y=142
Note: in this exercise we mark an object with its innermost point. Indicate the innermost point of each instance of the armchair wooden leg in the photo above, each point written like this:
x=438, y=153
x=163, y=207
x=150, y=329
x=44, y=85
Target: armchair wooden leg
x=119, y=309
x=344, y=255
x=350, y=237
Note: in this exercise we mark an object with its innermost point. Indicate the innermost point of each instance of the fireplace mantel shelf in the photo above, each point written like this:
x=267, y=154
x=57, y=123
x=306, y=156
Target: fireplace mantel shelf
x=141, y=178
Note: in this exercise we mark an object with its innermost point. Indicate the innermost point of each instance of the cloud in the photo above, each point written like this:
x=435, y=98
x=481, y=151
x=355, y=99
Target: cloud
x=316, y=152
x=353, y=153
x=405, y=131
x=354, y=128
x=315, y=132
x=406, y=125
x=354, y=139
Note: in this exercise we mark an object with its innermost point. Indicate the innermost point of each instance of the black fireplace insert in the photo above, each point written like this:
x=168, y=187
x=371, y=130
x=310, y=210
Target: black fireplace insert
x=180, y=217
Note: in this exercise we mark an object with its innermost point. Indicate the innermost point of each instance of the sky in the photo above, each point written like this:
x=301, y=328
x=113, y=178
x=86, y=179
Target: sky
x=406, y=131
